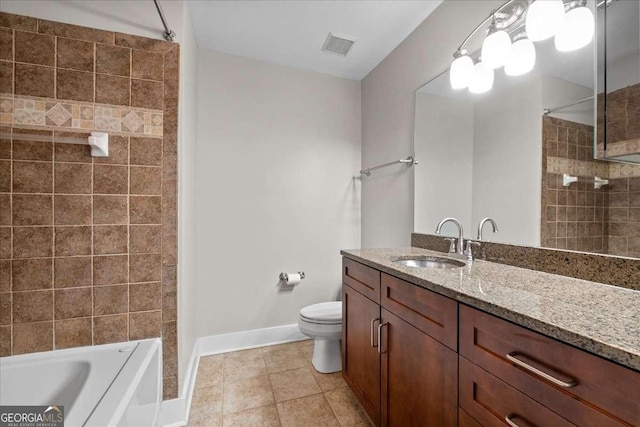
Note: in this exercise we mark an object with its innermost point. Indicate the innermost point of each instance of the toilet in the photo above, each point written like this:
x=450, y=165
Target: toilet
x=323, y=323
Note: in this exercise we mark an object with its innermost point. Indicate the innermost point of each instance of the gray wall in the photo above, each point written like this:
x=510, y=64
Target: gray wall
x=388, y=95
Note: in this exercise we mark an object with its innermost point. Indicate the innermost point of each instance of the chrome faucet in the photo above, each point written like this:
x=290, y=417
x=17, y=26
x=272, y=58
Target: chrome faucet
x=482, y=223
x=459, y=247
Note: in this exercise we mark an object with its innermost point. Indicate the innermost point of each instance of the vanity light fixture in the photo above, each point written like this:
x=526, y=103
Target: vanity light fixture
x=578, y=28
x=496, y=46
x=524, y=22
x=544, y=19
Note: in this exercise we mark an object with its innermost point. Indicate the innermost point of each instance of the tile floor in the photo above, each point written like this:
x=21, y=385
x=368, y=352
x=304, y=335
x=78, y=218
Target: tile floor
x=271, y=386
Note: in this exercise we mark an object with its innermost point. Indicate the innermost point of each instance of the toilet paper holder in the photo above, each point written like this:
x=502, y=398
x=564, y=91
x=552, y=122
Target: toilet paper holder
x=285, y=276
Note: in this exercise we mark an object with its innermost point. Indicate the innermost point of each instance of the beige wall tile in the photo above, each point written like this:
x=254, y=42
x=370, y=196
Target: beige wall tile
x=118, y=151
x=110, y=239
x=32, y=242
x=73, y=152
x=146, y=151
x=145, y=297
x=6, y=77
x=110, y=209
x=145, y=325
x=72, y=333
x=143, y=43
x=147, y=94
x=108, y=329
x=32, y=274
x=32, y=209
x=147, y=65
x=32, y=306
x=72, y=240
x=110, y=179
x=5, y=341
x=72, y=272
x=72, y=210
x=75, y=85
x=113, y=60
x=145, y=239
x=110, y=270
x=112, y=90
x=6, y=300
x=34, y=48
x=6, y=44
x=5, y=176
x=75, y=32
x=32, y=337
x=18, y=22
x=72, y=303
x=145, y=268
x=32, y=177
x=146, y=180
x=110, y=300
x=34, y=80
x=73, y=178
x=145, y=210
x=5, y=275
x=5, y=210
x=75, y=54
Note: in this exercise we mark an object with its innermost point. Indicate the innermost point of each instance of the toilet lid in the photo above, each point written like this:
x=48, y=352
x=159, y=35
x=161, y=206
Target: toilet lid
x=323, y=312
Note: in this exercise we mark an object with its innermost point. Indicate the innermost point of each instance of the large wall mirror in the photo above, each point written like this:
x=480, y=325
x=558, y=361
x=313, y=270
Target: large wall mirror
x=519, y=144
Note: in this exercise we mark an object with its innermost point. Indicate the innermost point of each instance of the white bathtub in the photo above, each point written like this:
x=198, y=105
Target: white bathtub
x=107, y=385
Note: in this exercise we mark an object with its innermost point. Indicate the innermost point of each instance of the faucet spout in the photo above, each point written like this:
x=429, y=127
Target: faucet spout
x=460, y=244
x=481, y=226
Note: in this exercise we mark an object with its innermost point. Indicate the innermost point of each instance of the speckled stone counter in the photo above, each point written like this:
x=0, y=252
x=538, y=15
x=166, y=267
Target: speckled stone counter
x=599, y=318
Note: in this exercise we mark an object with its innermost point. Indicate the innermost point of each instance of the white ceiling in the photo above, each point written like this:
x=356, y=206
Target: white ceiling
x=292, y=32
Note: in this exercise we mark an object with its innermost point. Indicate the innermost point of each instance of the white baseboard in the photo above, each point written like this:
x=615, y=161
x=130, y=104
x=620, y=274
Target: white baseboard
x=175, y=412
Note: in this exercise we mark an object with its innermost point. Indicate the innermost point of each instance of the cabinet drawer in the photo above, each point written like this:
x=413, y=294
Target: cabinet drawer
x=466, y=420
x=433, y=314
x=491, y=402
x=583, y=388
x=363, y=279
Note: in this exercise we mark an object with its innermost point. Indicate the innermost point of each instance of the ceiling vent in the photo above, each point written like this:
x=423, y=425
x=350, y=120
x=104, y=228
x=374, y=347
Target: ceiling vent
x=338, y=44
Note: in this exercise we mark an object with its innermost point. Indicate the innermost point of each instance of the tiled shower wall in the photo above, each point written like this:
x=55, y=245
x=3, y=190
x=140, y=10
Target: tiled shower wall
x=580, y=217
x=88, y=246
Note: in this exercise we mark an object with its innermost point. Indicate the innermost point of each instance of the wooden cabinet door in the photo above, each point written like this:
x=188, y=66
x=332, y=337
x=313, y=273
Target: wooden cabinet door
x=419, y=377
x=360, y=358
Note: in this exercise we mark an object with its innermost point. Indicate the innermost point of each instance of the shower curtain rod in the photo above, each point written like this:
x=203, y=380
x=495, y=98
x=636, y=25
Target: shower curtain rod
x=168, y=35
x=548, y=111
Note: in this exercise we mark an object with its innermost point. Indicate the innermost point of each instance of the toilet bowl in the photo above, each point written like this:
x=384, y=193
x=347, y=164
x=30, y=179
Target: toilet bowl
x=323, y=323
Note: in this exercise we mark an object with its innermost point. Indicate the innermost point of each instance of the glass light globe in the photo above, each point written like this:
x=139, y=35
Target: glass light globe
x=482, y=79
x=522, y=58
x=577, y=31
x=495, y=49
x=461, y=72
x=544, y=18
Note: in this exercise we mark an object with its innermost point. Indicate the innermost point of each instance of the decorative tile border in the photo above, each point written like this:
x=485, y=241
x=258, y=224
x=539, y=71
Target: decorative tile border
x=55, y=114
x=623, y=170
x=577, y=167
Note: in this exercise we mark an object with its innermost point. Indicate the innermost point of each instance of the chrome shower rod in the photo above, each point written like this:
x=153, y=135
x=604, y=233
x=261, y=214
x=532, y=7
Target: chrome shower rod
x=409, y=161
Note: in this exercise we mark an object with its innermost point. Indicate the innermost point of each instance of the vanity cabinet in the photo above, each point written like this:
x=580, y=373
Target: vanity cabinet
x=416, y=358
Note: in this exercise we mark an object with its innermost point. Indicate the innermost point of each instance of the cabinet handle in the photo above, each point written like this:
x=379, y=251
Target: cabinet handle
x=508, y=420
x=513, y=357
x=380, y=337
x=372, y=333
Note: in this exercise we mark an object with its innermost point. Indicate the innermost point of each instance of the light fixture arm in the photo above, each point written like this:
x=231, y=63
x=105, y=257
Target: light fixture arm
x=482, y=24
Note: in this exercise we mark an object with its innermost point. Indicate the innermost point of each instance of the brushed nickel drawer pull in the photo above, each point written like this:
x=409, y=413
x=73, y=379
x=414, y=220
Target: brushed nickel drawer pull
x=373, y=342
x=508, y=420
x=380, y=337
x=512, y=357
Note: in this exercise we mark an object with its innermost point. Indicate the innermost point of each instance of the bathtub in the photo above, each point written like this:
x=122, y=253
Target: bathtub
x=106, y=385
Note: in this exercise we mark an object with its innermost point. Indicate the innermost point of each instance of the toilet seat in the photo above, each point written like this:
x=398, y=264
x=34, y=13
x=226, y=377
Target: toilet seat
x=324, y=313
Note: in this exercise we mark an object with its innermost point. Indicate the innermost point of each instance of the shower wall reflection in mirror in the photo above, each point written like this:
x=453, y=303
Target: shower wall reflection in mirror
x=523, y=154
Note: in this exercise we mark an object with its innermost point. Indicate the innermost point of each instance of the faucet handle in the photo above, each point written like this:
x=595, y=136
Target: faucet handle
x=452, y=244
x=468, y=251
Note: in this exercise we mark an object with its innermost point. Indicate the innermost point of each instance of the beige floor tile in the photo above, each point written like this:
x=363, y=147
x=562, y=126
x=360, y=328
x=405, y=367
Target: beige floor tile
x=307, y=350
x=328, y=382
x=244, y=364
x=207, y=400
x=310, y=411
x=210, y=370
x=205, y=421
x=292, y=346
x=345, y=407
x=293, y=384
x=284, y=359
x=266, y=416
x=247, y=393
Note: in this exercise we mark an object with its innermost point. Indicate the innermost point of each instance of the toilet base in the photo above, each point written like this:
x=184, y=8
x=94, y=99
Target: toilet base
x=327, y=355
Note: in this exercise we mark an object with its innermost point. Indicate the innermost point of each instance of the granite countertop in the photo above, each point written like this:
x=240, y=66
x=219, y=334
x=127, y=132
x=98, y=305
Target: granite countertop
x=601, y=319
